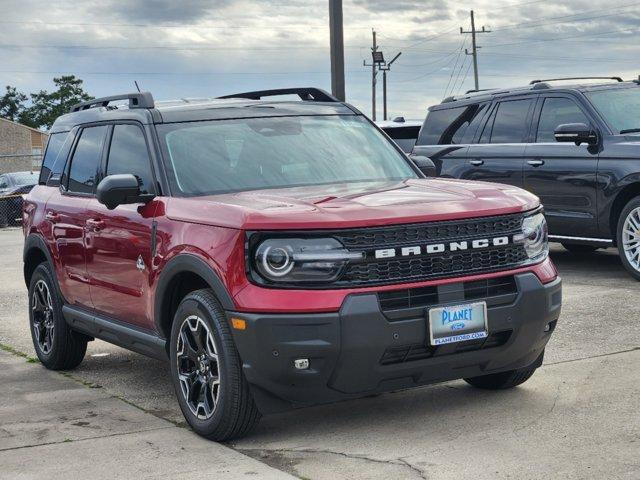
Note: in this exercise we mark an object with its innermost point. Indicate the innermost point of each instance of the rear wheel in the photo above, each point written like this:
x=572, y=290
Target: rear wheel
x=577, y=248
x=628, y=236
x=206, y=370
x=505, y=380
x=57, y=346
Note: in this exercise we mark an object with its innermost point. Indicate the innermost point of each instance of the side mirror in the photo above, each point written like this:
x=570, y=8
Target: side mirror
x=123, y=189
x=577, y=133
x=425, y=165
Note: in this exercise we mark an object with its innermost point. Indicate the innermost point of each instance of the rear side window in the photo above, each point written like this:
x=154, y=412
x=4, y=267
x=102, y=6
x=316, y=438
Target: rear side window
x=449, y=126
x=85, y=161
x=128, y=154
x=54, y=145
x=558, y=111
x=509, y=122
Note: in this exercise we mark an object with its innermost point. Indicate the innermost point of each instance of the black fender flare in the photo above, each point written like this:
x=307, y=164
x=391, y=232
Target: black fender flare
x=187, y=262
x=33, y=242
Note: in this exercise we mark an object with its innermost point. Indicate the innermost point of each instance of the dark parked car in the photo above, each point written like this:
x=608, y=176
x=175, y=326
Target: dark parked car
x=12, y=187
x=279, y=254
x=576, y=146
x=403, y=132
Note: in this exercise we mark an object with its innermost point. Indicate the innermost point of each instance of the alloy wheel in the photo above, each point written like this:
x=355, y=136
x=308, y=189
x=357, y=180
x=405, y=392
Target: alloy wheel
x=198, y=367
x=631, y=238
x=42, y=311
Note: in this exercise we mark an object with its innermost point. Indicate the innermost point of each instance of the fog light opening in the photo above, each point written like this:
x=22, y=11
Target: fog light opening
x=301, y=363
x=550, y=326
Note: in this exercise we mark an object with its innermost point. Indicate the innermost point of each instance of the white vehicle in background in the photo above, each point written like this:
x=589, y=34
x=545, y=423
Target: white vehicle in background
x=403, y=132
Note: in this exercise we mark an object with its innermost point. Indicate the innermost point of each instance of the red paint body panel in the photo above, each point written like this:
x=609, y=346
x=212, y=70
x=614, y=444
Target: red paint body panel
x=352, y=205
x=98, y=269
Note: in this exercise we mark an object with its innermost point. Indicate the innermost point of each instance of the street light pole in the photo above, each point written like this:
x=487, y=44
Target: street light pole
x=385, y=69
x=336, y=39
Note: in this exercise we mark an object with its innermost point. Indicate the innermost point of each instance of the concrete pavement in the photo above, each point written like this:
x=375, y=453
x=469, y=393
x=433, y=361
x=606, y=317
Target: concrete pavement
x=57, y=428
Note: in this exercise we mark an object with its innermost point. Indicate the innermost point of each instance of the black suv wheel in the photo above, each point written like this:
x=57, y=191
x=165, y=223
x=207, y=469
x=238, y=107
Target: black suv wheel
x=628, y=236
x=505, y=380
x=56, y=345
x=206, y=370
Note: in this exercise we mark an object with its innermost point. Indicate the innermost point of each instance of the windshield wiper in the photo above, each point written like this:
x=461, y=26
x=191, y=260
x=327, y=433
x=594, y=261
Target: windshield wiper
x=630, y=130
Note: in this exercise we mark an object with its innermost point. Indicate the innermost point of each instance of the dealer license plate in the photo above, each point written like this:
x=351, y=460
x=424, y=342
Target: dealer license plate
x=457, y=323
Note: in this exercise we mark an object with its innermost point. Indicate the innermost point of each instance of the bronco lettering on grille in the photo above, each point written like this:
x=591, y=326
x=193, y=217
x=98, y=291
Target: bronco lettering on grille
x=443, y=247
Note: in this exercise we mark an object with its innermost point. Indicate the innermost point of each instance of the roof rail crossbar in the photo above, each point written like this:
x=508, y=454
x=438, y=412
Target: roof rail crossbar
x=533, y=82
x=136, y=100
x=307, y=94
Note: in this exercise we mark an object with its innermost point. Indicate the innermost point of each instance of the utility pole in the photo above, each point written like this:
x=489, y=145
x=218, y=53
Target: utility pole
x=475, y=47
x=385, y=69
x=377, y=60
x=336, y=40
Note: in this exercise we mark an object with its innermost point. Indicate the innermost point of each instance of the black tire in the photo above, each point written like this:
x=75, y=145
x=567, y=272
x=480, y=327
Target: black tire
x=631, y=207
x=581, y=249
x=505, y=380
x=65, y=349
x=234, y=413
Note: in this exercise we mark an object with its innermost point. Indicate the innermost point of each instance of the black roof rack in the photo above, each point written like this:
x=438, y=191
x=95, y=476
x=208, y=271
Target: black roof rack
x=136, y=100
x=307, y=94
x=533, y=82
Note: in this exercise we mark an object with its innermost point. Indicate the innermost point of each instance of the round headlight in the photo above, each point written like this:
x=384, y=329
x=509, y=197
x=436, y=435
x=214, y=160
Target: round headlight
x=534, y=236
x=277, y=261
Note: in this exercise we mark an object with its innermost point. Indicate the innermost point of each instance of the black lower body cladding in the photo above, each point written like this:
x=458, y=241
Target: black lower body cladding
x=362, y=350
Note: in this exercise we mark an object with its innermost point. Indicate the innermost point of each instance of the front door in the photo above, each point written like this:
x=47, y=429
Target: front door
x=66, y=212
x=499, y=154
x=119, y=241
x=563, y=175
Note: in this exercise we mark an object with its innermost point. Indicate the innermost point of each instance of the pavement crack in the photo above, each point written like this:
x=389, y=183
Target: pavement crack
x=95, y=437
x=400, y=462
x=629, y=350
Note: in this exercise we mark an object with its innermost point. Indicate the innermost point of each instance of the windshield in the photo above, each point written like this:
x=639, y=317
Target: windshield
x=620, y=108
x=24, y=178
x=256, y=153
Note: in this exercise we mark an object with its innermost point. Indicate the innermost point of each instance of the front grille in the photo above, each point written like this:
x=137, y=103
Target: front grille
x=428, y=296
x=448, y=264
x=411, y=353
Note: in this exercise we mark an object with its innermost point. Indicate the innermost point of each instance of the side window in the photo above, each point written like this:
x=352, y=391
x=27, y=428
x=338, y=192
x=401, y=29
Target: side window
x=448, y=126
x=128, y=154
x=511, y=121
x=85, y=161
x=557, y=111
x=54, y=145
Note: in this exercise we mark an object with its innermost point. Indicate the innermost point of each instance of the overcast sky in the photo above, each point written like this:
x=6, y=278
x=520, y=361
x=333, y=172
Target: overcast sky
x=195, y=48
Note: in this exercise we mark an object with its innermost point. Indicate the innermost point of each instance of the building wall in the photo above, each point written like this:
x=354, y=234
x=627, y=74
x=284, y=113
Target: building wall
x=21, y=147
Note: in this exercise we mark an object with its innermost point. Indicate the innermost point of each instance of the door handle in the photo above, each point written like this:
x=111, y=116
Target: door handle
x=95, y=224
x=476, y=163
x=52, y=217
x=535, y=163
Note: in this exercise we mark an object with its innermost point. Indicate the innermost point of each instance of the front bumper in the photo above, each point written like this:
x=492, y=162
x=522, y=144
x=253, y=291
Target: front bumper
x=362, y=350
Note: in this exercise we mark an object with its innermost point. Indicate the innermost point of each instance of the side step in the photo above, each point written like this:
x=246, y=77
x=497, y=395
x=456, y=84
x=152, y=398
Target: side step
x=113, y=331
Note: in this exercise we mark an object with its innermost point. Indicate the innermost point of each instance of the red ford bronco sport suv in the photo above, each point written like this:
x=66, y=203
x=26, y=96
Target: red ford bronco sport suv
x=280, y=254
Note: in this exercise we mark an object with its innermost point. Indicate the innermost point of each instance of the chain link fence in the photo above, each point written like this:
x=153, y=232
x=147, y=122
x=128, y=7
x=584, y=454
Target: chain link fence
x=18, y=175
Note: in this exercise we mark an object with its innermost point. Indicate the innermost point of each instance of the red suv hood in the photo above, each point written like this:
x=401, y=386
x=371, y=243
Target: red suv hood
x=352, y=205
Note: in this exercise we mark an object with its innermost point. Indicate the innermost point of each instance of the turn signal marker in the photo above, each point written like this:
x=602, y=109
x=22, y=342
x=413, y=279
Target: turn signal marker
x=238, y=324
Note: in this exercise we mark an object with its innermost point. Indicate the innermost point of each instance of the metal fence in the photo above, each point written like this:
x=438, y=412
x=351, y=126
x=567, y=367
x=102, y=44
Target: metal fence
x=13, y=186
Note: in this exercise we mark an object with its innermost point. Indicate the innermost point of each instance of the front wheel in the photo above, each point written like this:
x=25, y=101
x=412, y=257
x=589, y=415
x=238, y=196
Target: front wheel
x=206, y=370
x=628, y=236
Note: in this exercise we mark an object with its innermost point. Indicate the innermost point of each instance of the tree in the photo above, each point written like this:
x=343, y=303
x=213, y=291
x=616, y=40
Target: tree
x=12, y=104
x=46, y=107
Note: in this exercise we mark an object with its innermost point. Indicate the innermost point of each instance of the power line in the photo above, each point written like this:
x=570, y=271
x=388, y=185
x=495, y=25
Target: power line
x=631, y=29
x=464, y=41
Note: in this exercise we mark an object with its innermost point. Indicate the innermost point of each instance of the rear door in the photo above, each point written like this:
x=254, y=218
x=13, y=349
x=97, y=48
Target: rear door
x=119, y=241
x=563, y=174
x=446, y=135
x=498, y=155
x=66, y=212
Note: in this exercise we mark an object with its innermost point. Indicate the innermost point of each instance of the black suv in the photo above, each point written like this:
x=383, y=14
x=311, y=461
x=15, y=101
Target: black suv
x=576, y=146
